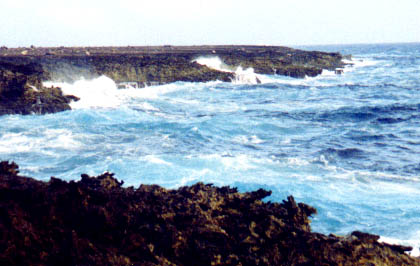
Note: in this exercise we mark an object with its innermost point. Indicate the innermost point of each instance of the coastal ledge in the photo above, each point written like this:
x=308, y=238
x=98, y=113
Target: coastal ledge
x=164, y=64
x=141, y=65
x=96, y=221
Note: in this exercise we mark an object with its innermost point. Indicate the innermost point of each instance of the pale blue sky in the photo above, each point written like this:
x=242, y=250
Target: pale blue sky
x=185, y=22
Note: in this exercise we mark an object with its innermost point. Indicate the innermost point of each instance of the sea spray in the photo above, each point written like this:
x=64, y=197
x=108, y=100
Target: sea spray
x=346, y=144
x=102, y=92
x=99, y=92
x=248, y=76
x=414, y=243
x=214, y=62
x=242, y=76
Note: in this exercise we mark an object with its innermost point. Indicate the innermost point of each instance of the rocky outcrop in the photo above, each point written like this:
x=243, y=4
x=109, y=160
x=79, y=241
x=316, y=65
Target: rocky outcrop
x=165, y=64
x=22, y=70
x=22, y=92
x=96, y=221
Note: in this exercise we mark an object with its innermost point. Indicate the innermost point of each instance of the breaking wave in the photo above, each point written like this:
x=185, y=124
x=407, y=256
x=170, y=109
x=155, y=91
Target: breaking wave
x=346, y=144
x=241, y=76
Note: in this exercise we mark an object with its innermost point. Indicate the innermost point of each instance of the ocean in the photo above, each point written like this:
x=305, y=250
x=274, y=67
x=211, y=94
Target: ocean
x=347, y=144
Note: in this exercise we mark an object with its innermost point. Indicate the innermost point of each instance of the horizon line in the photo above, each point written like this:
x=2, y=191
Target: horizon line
x=191, y=45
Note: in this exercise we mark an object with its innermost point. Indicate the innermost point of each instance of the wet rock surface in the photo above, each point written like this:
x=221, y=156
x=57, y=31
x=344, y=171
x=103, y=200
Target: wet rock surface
x=22, y=92
x=96, y=221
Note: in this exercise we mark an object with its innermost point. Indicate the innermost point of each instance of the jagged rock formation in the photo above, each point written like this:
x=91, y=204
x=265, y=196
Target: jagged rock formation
x=96, y=221
x=22, y=92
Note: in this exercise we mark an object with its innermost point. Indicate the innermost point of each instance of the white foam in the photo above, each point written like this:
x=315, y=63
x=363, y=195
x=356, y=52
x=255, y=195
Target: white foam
x=156, y=160
x=194, y=177
x=214, y=63
x=256, y=140
x=297, y=162
x=147, y=107
x=286, y=141
x=328, y=73
x=321, y=159
x=14, y=142
x=358, y=63
x=151, y=92
x=248, y=140
x=34, y=169
x=60, y=138
x=414, y=243
x=246, y=76
x=101, y=92
x=40, y=142
x=184, y=101
x=242, y=76
x=352, y=65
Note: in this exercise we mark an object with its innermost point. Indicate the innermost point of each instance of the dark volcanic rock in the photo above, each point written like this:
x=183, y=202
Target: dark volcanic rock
x=22, y=92
x=95, y=221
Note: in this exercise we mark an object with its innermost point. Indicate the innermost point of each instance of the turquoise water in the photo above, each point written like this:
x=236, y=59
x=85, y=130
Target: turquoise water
x=346, y=144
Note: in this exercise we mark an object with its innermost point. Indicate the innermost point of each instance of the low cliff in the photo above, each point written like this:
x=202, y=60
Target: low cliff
x=96, y=221
x=22, y=70
x=164, y=64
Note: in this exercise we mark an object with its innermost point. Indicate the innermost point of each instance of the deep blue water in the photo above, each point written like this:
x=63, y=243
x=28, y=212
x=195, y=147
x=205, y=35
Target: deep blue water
x=348, y=144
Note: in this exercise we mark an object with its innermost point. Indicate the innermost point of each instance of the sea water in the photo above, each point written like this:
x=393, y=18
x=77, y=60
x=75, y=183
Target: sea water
x=348, y=144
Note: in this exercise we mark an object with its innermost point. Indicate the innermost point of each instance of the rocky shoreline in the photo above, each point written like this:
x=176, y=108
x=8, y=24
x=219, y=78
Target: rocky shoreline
x=97, y=221
x=22, y=91
x=22, y=70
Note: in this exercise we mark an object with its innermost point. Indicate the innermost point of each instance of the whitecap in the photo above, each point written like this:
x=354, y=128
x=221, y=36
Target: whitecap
x=15, y=142
x=60, y=138
x=297, y=161
x=248, y=140
x=156, y=160
x=146, y=107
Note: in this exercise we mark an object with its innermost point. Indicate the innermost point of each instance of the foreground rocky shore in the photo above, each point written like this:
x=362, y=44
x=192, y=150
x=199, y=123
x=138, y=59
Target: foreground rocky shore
x=96, y=221
x=22, y=70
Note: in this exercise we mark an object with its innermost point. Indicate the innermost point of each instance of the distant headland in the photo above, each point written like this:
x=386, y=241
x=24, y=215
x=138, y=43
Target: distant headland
x=22, y=70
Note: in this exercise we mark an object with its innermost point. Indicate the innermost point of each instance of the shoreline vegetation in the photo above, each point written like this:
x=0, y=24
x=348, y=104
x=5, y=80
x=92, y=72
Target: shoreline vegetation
x=97, y=221
x=22, y=70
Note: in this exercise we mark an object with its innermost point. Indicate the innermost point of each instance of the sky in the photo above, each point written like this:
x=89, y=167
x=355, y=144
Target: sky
x=195, y=22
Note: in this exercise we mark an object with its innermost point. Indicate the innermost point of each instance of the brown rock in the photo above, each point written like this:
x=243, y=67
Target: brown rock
x=96, y=221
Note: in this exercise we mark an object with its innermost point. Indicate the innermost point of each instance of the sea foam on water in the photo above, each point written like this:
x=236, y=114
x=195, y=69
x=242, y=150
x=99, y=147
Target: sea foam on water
x=346, y=144
x=100, y=92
